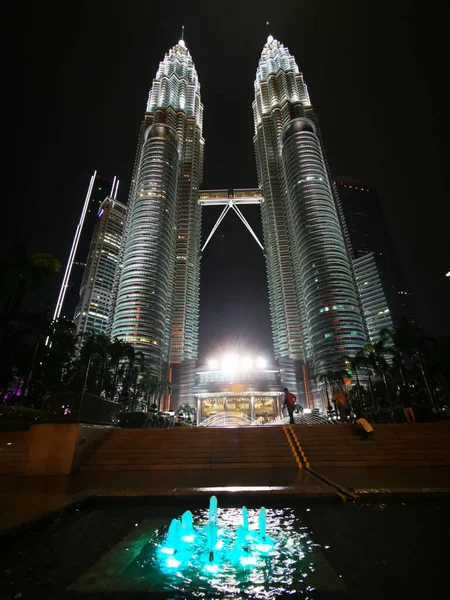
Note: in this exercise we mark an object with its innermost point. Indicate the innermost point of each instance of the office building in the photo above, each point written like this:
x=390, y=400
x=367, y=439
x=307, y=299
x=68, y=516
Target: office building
x=99, y=187
x=156, y=305
x=373, y=299
x=368, y=233
x=246, y=390
x=316, y=319
x=96, y=289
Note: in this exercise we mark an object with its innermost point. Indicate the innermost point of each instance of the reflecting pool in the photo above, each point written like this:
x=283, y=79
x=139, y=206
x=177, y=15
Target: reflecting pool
x=217, y=552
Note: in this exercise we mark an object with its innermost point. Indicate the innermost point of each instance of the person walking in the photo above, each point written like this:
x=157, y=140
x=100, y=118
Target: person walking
x=340, y=403
x=405, y=398
x=289, y=403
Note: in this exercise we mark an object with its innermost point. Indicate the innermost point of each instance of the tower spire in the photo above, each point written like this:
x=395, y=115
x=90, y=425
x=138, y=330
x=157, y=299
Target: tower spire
x=182, y=32
x=269, y=36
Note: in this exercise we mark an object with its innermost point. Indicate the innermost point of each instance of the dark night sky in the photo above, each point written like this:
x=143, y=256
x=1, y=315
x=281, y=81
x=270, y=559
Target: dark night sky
x=78, y=78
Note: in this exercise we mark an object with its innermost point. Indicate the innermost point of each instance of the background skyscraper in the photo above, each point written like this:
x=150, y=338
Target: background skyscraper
x=156, y=308
x=96, y=289
x=368, y=232
x=375, y=307
x=99, y=188
x=314, y=304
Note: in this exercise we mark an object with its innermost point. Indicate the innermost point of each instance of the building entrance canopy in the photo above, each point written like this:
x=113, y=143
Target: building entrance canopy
x=261, y=406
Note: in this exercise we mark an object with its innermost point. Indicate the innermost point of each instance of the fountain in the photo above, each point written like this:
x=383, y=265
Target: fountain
x=213, y=509
x=173, y=541
x=184, y=544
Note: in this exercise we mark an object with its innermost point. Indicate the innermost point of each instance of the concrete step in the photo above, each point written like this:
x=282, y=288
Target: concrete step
x=392, y=463
x=172, y=467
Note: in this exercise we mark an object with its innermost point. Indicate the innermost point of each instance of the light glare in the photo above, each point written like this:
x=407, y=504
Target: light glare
x=247, y=363
x=229, y=363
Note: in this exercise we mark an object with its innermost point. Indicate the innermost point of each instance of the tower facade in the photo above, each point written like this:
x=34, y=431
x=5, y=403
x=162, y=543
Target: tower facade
x=157, y=296
x=316, y=319
x=96, y=289
x=374, y=304
x=369, y=233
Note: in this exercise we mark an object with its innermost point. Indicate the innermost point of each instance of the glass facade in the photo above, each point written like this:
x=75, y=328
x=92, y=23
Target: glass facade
x=261, y=407
x=325, y=279
x=96, y=289
x=157, y=283
x=369, y=233
x=315, y=313
x=373, y=300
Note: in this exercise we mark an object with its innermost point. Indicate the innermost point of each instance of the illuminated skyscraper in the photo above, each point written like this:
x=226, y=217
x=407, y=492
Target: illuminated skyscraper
x=68, y=297
x=96, y=289
x=314, y=305
x=156, y=308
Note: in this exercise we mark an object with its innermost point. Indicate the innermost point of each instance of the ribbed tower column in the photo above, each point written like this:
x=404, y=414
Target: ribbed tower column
x=144, y=295
x=156, y=304
x=308, y=269
x=325, y=277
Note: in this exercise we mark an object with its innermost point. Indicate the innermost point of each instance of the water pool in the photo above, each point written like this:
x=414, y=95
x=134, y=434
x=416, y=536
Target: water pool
x=112, y=549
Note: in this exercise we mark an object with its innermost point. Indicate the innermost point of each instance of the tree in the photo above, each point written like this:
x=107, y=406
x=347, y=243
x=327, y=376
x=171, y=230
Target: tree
x=376, y=353
x=165, y=388
x=23, y=273
x=354, y=363
x=118, y=352
x=51, y=361
x=411, y=340
x=326, y=379
x=188, y=410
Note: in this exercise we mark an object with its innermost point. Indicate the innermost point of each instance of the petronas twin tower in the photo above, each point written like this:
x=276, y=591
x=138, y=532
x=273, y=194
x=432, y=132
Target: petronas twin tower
x=316, y=320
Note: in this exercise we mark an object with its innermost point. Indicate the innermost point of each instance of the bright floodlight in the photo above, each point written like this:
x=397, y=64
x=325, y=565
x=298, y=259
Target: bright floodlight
x=261, y=363
x=447, y=274
x=213, y=363
x=229, y=363
x=247, y=363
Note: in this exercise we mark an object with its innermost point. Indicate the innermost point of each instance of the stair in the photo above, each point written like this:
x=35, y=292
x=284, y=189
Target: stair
x=13, y=447
x=192, y=448
x=392, y=445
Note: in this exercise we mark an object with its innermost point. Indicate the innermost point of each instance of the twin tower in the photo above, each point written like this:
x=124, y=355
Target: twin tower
x=315, y=315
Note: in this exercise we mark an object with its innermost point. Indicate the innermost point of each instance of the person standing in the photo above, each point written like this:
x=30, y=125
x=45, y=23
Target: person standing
x=405, y=398
x=289, y=402
x=340, y=403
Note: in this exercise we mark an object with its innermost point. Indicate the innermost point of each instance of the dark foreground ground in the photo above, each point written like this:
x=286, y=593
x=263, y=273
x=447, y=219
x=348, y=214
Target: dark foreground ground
x=381, y=548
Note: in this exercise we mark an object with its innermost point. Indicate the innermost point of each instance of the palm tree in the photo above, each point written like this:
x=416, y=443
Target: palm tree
x=149, y=385
x=327, y=378
x=363, y=361
x=50, y=362
x=376, y=353
x=118, y=351
x=189, y=410
x=165, y=388
x=411, y=340
x=94, y=351
x=136, y=373
x=354, y=363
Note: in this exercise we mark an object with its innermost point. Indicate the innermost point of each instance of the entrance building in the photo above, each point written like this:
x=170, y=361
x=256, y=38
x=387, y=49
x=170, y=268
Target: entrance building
x=250, y=392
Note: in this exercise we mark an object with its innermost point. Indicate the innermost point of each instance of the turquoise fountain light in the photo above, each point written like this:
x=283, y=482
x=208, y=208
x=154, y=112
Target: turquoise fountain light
x=223, y=553
x=185, y=546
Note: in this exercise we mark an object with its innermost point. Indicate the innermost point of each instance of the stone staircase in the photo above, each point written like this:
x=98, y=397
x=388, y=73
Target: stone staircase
x=192, y=448
x=13, y=446
x=396, y=445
